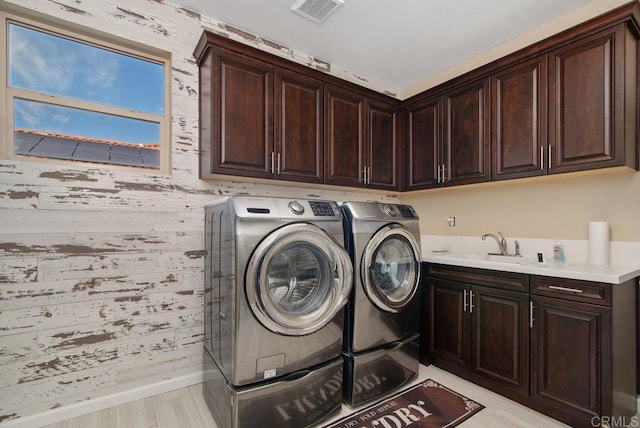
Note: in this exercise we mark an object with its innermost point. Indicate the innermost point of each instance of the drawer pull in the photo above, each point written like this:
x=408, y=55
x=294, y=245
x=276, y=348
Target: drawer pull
x=570, y=290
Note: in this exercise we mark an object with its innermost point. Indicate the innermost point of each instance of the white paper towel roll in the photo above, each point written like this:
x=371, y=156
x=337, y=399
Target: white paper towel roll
x=599, y=243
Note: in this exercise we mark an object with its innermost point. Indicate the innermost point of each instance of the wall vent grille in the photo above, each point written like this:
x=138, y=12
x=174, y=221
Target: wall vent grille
x=316, y=10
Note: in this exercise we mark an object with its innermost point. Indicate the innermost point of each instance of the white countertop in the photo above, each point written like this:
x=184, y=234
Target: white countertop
x=612, y=274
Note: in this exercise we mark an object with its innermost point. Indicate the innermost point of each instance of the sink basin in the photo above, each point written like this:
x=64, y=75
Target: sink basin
x=492, y=258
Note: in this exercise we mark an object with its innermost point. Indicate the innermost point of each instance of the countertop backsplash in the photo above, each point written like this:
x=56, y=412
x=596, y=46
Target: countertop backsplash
x=622, y=252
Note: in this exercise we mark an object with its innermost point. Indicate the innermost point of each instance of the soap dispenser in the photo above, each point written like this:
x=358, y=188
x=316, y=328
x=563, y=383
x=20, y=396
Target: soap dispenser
x=558, y=251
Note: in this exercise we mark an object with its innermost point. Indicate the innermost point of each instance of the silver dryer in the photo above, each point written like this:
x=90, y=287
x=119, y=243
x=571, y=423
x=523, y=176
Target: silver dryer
x=381, y=342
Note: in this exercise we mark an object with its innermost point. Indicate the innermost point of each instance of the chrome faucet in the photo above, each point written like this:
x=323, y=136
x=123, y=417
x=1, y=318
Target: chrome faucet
x=502, y=243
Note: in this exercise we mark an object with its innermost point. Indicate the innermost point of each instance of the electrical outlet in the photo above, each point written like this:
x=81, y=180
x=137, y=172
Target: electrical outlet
x=451, y=221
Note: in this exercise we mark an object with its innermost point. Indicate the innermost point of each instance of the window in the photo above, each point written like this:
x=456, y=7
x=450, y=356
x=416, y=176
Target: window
x=77, y=96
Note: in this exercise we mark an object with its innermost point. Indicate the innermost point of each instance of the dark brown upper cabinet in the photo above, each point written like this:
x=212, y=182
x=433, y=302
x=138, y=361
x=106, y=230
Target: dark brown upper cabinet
x=265, y=117
x=299, y=141
x=582, y=94
x=448, y=138
x=259, y=121
x=519, y=120
x=344, y=132
x=466, y=133
x=361, y=145
x=566, y=103
x=236, y=116
x=593, y=100
x=424, y=144
x=382, y=146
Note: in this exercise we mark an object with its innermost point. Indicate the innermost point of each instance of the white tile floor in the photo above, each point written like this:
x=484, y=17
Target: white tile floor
x=185, y=408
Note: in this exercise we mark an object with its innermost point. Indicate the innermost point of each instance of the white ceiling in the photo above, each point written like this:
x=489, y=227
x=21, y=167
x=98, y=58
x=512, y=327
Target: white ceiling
x=394, y=42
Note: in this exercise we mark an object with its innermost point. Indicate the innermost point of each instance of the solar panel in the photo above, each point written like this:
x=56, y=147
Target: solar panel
x=87, y=151
x=125, y=155
x=52, y=147
x=58, y=147
x=24, y=143
x=150, y=158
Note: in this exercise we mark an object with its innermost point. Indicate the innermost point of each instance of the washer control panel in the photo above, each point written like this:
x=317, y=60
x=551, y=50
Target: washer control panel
x=321, y=208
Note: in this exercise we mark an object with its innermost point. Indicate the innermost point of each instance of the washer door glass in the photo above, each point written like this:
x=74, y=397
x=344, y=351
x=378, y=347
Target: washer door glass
x=298, y=278
x=391, y=268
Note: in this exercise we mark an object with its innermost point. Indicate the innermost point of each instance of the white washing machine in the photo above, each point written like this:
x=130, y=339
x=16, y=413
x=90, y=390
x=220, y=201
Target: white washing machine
x=381, y=342
x=277, y=278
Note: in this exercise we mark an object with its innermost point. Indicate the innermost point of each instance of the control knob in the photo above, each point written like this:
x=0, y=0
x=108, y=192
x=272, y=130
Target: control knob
x=296, y=207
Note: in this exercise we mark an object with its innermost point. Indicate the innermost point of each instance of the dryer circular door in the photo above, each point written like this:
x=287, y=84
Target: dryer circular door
x=391, y=268
x=297, y=279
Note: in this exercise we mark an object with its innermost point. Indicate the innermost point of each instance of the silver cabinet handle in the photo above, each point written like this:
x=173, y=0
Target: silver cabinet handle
x=364, y=175
x=278, y=167
x=464, y=309
x=439, y=168
x=471, y=301
x=444, y=177
x=570, y=290
x=273, y=163
x=531, y=319
x=541, y=157
x=549, y=166
x=368, y=175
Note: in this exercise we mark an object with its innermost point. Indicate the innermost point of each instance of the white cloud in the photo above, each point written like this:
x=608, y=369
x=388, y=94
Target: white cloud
x=45, y=117
x=54, y=65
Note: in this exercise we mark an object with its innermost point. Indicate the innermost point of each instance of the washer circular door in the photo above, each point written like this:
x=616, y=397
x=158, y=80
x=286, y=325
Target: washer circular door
x=297, y=279
x=391, y=268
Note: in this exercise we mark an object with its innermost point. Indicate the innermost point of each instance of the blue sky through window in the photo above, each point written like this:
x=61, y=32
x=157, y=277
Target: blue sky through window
x=58, y=66
x=63, y=120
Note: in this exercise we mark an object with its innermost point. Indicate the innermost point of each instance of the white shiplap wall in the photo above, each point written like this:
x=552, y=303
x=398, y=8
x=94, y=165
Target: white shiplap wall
x=101, y=271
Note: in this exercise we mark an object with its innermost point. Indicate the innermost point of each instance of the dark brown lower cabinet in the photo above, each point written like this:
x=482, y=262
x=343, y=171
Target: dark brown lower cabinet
x=479, y=330
x=569, y=355
x=564, y=347
x=500, y=337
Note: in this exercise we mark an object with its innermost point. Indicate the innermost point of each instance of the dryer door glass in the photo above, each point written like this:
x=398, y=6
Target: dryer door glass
x=391, y=268
x=298, y=279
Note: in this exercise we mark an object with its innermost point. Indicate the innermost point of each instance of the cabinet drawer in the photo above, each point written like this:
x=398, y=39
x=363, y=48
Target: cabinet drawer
x=489, y=278
x=572, y=289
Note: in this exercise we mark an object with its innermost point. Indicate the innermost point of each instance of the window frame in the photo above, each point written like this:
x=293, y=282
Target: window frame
x=76, y=32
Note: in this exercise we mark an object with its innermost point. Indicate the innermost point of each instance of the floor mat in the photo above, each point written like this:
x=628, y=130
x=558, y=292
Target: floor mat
x=425, y=405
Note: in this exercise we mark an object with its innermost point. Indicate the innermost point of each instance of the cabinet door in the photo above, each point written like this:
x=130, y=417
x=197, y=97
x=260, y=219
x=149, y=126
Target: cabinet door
x=519, y=120
x=569, y=356
x=344, y=140
x=449, y=324
x=500, y=336
x=242, y=126
x=382, y=146
x=298, y=128
x=467, y=128
x=424, y=142
x=586, y=103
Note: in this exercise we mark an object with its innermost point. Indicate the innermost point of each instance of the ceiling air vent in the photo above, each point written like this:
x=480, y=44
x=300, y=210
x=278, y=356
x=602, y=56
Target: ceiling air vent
x=316, y=10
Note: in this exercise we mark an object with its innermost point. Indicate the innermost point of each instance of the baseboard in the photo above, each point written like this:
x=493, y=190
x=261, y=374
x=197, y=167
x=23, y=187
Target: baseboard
x=100, y=403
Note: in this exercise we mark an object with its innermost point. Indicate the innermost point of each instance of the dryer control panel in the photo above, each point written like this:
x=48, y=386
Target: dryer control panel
x=399, y=211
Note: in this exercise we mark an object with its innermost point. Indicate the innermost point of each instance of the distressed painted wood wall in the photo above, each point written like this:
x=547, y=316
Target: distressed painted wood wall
x=102, y=271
